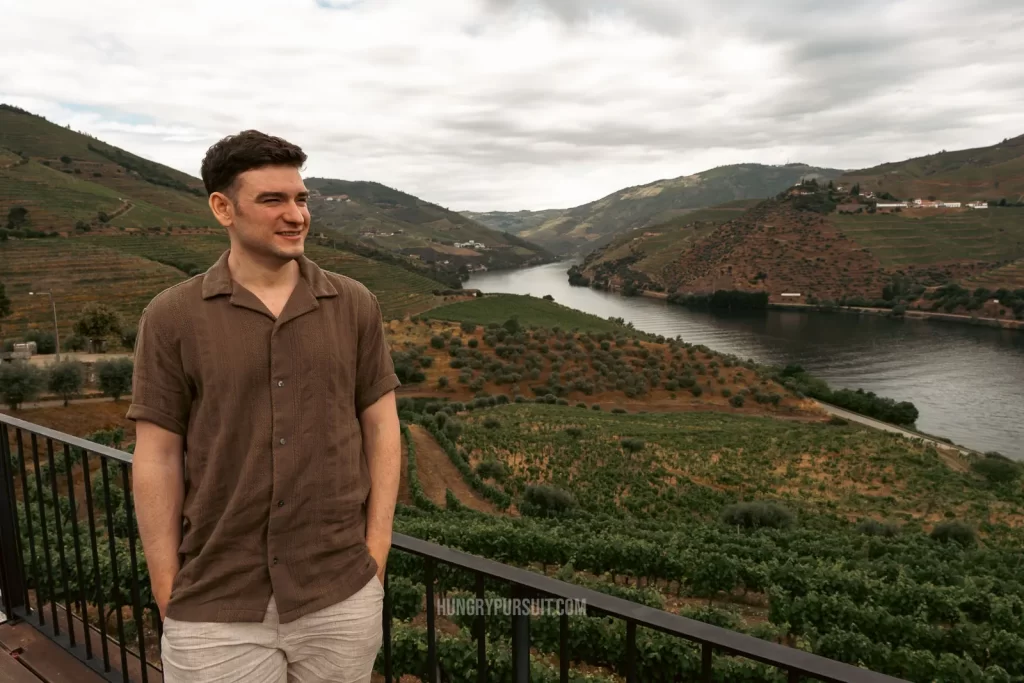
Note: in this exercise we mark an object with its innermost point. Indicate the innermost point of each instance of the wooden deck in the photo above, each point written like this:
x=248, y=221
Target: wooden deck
x=27, y=655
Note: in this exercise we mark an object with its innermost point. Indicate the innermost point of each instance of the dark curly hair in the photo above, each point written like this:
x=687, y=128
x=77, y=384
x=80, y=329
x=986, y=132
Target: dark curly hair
x=233, y=155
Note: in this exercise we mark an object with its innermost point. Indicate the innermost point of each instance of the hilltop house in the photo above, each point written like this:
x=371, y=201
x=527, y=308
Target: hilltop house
x=891, y=205
x=977, y=205
x=469, y=245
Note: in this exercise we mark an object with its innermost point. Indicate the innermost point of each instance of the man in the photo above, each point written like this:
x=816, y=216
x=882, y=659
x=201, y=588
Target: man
x=267, y=460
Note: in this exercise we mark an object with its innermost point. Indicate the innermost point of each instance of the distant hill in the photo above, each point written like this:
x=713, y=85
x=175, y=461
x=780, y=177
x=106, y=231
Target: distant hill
x=587, y=227
x=825, y=245
x=56, y=179
x=984, y=173
x=515, y=222
x=391, y=220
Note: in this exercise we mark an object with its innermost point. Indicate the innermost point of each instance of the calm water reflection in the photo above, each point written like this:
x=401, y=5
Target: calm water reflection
x=967, y=382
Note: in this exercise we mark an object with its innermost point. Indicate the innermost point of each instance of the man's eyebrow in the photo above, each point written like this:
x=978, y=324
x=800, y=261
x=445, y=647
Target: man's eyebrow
x=279, y=195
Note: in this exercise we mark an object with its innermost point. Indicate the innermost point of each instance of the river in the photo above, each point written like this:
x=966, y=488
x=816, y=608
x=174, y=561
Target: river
x=967, y=382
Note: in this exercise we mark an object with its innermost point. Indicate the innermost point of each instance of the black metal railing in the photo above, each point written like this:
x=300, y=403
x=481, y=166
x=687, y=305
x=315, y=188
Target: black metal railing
x=57, y=486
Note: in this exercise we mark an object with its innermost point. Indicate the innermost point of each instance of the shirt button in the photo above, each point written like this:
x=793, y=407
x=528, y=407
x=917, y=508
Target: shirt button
x=280, y=383
x=275, y=560
x=281, y=442
x=280, y=503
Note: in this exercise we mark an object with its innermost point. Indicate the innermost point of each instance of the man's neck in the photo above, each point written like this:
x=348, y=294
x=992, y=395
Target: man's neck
x=262, y=274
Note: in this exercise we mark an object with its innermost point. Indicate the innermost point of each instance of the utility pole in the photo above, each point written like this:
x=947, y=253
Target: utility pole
x=56, y=331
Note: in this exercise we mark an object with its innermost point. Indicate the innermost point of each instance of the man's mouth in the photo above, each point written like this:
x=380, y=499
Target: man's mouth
x=291, y=234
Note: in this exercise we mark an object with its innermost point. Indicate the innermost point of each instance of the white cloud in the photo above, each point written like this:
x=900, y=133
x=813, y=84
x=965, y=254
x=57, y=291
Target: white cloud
x=509, y=104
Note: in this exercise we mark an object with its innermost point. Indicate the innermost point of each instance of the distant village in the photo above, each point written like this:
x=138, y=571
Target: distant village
x=887, y=203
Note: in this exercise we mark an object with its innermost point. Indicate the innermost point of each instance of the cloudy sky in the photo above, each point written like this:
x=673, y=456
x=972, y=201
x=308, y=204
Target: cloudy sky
x=520, y=104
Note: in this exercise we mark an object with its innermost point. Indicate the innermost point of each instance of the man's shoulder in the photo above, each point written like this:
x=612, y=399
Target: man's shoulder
x=176, y=300
x=349, y=288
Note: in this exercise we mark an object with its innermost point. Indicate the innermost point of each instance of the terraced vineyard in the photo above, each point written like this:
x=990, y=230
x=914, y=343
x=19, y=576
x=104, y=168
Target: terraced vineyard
x=1010, y=276
x=856, y=545
x=126, y=271
x=55, y=200
x=672, y=466
x=901, y=239
x=77, y=271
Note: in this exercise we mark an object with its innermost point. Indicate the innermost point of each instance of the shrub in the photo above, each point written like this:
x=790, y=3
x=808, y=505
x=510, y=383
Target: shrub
x=469, y=328
x=20, y=382
x=997, y=468
x=115, y=377
x=736, y=401
x=66, y=379
x=406, y=597
x=595, y=406
x=492, y=422
x=872, y=527
x=618, y=411
x=954, y=532
x=575, y=432
x=758, y=514
x=726, y=393
x=473, y=343
x=437, y=342
x=696, y=390
x=492, y=469
x=632, y=445
x=837, y=421
x=545, y=501
x=442, y=382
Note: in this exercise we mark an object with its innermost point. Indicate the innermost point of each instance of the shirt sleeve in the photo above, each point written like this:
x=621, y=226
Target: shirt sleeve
x=160, y=389
x=375, y=372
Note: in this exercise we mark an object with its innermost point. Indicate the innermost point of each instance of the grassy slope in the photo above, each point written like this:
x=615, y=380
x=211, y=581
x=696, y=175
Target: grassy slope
x=531, y=311
x=918, y=238
x=981, y=173
x=641, y=206
x=515, y=222
x=97, y=180
x=124, y=272
x=1010, y=276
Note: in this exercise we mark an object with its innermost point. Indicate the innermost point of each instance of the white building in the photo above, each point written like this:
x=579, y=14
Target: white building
x=891, y=205
x=977, y=205
x=951, y=205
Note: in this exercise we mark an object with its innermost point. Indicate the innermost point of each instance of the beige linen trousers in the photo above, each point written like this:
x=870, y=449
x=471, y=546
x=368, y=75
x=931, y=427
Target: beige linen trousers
x=338, y=644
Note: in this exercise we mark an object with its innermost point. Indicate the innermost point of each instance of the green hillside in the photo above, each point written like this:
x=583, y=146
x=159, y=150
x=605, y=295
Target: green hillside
x=391, y=220
x=515, y=222
x=910, y=238
x=593, y=225
x=984, y=173
x=64, y=178
x=126, y=271
x=498, y=308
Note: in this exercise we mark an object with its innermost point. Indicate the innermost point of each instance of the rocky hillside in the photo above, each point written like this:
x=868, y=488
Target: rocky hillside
x=386, y=219
x=590, y=226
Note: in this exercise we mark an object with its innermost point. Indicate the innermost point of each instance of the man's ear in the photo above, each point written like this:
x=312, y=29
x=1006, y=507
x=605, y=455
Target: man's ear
x=223, y=209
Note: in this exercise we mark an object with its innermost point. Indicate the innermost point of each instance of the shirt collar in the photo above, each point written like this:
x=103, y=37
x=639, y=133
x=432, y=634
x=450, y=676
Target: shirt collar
x=217, y=280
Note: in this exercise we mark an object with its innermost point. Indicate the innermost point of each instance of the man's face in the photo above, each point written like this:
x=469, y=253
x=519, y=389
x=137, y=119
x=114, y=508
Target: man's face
x=269, y=215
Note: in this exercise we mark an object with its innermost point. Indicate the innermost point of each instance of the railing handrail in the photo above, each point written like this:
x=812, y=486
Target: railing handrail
x=75, y=441
x=721, y=639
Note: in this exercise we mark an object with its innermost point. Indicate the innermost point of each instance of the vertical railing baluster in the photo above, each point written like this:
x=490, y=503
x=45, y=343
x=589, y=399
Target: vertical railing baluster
x=51, y=589
x=630, y=652
x=431, y=641
x=563, y=647
x=481, y=631
x=29, y=527
x=118, y=598
x=386, y=626
x=14, y=579
x=705, y=662
x=520, y=636
x=101, y=601
x=58, y=522
x=136, y=599
x=79, y=573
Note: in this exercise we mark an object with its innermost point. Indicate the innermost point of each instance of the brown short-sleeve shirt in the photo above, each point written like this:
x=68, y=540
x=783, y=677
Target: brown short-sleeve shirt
x=276, y=480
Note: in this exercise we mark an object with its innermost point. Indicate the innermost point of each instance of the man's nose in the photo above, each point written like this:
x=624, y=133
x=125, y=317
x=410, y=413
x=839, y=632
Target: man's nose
x=294, y=214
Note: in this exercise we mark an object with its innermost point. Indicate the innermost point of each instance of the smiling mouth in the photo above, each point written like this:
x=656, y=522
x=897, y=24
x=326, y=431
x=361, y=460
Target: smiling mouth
x=291, y=233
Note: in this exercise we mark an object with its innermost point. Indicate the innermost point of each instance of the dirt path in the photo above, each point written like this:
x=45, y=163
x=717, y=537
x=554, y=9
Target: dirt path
x=437, y=472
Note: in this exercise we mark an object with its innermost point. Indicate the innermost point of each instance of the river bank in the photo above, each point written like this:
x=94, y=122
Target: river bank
x=910, y=313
